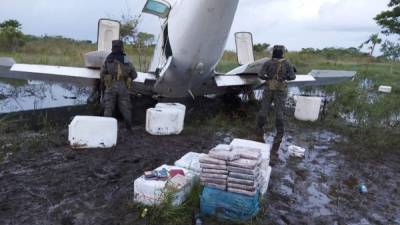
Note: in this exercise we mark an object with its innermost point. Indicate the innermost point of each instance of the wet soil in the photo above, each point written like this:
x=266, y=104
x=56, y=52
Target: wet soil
x=58, y=185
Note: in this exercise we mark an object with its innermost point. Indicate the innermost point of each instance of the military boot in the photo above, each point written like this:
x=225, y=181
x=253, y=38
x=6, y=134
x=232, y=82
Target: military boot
x=275, y=149
x=274, y=156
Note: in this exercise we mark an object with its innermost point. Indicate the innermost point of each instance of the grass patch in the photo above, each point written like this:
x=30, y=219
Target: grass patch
x=167, y=214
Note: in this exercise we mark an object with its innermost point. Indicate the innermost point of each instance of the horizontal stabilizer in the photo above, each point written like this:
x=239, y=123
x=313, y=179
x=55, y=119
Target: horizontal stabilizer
x=253, y=80
x=75, y=75
x=247, y=75
x=325, y=77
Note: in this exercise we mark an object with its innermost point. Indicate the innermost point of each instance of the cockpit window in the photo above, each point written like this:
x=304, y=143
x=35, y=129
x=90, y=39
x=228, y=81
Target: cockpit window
x=157, y=7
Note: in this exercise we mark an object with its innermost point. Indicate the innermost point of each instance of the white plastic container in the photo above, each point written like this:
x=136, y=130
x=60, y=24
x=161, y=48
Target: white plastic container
x=93, y=132
x=190, y=161
x=296, y=151
x=308, y=108
x=152, y=192
x=265, y=177
x=171, y=105
x=164, y=121
x=265, y=149
x=385, y=89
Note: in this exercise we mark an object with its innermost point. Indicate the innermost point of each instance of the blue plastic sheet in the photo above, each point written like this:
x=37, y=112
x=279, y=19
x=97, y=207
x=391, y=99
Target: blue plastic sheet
x=229, y=206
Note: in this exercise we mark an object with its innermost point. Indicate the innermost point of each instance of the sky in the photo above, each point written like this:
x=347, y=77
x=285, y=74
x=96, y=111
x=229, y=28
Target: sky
x=296, y=24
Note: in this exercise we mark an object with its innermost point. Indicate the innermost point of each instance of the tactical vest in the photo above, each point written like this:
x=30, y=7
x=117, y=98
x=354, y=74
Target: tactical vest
x=118, y=74
x=275, y=83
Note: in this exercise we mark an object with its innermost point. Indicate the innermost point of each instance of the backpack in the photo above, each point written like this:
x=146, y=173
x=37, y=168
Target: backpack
x=275, y=84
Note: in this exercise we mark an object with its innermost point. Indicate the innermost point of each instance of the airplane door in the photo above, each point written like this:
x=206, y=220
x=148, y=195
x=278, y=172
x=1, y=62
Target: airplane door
x=108, y=30
x=244, y=47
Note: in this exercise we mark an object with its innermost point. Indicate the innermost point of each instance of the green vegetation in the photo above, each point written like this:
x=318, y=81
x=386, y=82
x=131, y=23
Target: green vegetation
x=389, y=19
x=373, y=41
x=11, y=36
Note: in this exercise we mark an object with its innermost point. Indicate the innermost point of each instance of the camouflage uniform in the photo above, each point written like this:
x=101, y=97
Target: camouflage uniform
x=276, y=72
x=117, y=78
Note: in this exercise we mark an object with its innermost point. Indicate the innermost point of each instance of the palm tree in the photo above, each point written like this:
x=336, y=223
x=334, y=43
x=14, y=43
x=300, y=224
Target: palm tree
x=373, y=40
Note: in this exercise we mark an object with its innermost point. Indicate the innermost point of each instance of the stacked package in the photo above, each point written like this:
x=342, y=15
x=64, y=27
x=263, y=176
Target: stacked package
x=244, y=173
x=214, y=171
x=234, y=169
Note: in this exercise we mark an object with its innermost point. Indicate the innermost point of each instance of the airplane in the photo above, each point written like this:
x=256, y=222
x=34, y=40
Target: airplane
x=191, y=43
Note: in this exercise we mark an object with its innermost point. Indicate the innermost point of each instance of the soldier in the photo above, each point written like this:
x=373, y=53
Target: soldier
x=275, y=72
x=117, y=75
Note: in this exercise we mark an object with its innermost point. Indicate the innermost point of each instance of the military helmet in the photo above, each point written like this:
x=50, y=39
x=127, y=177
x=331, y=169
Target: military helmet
x=117, y=46
x=117, y=43
x=277, y=51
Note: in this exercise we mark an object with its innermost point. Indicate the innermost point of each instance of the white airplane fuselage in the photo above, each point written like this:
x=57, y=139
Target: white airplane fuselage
x=197, y=34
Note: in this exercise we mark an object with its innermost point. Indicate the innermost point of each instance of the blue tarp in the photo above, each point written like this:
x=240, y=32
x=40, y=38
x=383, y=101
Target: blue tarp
x=229, y=206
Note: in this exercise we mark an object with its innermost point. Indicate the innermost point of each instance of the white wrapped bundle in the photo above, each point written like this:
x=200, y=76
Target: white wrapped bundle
x=213, y=166
x=234, y=169
x=248, y=153
x=223, y=152
x=245, y=163
x=215, y=171
x=243, y=187
x=216, y=176
x=208, y=160
x=243, y=192
x=208, y=180
x=243, y=176
x=223, y=147
x=242, y=182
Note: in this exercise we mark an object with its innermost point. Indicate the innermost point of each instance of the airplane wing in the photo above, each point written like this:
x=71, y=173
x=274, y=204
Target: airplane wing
x=75, y=75
x=246, y=75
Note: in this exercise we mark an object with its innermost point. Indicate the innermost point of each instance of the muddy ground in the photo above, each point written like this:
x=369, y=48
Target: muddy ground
x=58, y=185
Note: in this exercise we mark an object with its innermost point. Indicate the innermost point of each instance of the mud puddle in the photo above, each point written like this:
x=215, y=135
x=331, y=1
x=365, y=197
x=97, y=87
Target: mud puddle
x=32, y=95
x=55, y=185
x=323, y=187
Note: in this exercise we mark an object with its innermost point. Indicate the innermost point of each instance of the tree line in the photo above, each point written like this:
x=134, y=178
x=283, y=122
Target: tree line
x=12, y=37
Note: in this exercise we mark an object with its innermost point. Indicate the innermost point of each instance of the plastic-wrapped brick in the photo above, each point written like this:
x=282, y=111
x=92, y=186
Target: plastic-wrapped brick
x=223, y=154
x=248, y=153
x=245, y=163
x=216, y=176
x=214, y=171
x=243, y=192
x=243, y=176
x=234, y=169
x=240, y=181
x=213, y=180
x=213, y=166
x=208, y=160
x=242, y=187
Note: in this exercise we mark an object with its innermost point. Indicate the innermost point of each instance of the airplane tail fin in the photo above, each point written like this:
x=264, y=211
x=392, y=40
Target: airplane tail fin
x=244, y=47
